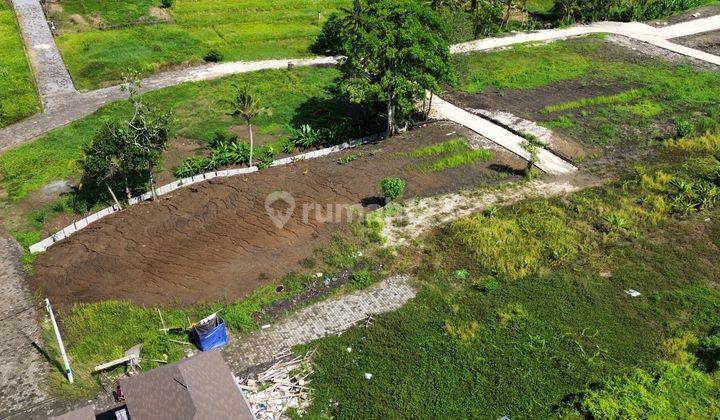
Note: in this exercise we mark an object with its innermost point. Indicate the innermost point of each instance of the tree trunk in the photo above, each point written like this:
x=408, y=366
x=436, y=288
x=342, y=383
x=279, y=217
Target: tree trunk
x=151, y=178
x=113, y=195
x=429, y=108
x=390, y=117
x=251, y=142
x=128, y=193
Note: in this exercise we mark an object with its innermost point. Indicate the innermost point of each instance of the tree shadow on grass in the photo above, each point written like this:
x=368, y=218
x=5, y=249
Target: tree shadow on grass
x=337, y=113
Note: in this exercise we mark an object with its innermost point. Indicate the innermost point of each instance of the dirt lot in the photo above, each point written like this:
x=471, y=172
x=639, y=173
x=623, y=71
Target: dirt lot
x=707, y=41
x=698, y=13
x=216, y=241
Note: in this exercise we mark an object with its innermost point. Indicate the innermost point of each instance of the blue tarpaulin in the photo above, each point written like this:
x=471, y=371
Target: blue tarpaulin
x=210, y=333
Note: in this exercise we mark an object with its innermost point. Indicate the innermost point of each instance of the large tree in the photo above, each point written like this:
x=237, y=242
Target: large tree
x=126, y=148
x=394, y=52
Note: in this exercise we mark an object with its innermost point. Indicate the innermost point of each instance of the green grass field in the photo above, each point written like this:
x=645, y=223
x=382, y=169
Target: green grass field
x=658, y=94
x=18, y=97
x=239, y=30
x=521, y=312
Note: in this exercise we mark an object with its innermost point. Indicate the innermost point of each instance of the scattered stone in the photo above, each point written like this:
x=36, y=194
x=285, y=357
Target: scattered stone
x=632, y=293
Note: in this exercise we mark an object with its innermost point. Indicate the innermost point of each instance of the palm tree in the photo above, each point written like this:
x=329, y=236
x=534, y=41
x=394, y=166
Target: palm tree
x=247, y=106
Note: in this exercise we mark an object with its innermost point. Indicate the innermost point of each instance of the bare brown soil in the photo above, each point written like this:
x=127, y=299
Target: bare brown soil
x=215, y=240
x=708, y=42
x=698, y=13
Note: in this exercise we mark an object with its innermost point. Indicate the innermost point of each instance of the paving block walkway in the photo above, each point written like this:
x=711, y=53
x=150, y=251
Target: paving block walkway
x=328, y=317
x=22, y=367
x=51, y=76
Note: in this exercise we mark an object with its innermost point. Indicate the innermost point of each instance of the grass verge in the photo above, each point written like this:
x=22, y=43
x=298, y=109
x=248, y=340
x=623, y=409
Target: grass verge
x=18, y=97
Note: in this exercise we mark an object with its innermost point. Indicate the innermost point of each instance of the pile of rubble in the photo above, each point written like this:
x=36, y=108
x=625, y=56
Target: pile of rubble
x=281, y=387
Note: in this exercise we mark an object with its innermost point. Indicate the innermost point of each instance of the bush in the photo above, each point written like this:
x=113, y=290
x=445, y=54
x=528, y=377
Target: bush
x=392, y=188
x=305, y=137
x=166, y=4
x=213, y=56
x=361, y=279
x=684, y=129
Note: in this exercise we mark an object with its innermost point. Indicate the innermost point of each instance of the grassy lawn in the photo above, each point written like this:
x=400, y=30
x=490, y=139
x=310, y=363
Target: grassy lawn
x=521, y=311
x=186, y=32
x=18, y=97
x=659, y=99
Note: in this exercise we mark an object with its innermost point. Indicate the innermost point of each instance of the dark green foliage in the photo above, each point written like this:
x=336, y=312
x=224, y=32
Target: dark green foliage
x=394, y=51
x=392, y=188
x=166, y=4
x=361, y=279
x=127, y=150
x=684, y=129
x=620, y=10
x=213, y=56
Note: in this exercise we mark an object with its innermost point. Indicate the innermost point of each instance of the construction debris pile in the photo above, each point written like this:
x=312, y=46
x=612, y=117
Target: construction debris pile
x=281, y=387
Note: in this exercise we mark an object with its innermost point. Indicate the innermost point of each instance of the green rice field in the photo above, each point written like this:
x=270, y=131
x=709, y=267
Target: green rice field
x=99, y=40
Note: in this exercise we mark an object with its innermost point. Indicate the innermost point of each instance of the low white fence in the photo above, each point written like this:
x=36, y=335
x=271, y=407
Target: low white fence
x=165, y=189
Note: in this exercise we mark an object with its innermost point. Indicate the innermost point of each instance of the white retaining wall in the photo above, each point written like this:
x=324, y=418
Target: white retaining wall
x=165, y=189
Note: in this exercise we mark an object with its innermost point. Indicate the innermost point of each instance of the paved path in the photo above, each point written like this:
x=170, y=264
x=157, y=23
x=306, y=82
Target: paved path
x=22, y=366
x=64, y=105
x=51, y=76
x=328, y=317
x=547, y=161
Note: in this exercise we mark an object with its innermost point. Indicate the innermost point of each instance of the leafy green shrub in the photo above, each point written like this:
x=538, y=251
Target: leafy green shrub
x=213, y=56
x=486, y=286
x=305, y=137
x=709, y=352
x=361, y=279
x=684, y=129
x=392, y=188
x=166, y=4
x=265, y=156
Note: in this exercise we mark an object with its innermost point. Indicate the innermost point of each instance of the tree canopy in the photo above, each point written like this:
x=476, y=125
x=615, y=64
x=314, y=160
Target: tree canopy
x=394, y=51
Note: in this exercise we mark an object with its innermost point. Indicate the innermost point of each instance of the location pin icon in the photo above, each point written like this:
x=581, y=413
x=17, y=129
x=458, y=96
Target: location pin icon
x=280, y=217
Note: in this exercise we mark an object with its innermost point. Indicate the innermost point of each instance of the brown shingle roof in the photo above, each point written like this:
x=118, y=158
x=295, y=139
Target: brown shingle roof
x=197, y=388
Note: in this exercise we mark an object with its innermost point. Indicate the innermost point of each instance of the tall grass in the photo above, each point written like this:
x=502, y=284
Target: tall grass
x=621, y=97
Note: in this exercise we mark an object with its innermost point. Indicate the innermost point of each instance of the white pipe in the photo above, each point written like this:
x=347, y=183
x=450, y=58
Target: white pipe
x=68, y=371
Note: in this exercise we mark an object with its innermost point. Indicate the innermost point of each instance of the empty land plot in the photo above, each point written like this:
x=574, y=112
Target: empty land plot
x=521, y=312
x=18, y=97
x=590, y=90
x=707, y=41
x=215, y=240
x=99, y=40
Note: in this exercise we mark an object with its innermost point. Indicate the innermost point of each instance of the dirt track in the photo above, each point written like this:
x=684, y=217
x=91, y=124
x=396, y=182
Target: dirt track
x=215, y=240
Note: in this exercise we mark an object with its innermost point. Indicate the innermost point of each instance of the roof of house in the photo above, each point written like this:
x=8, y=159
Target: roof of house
x=200, y=387
x=83, y=413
